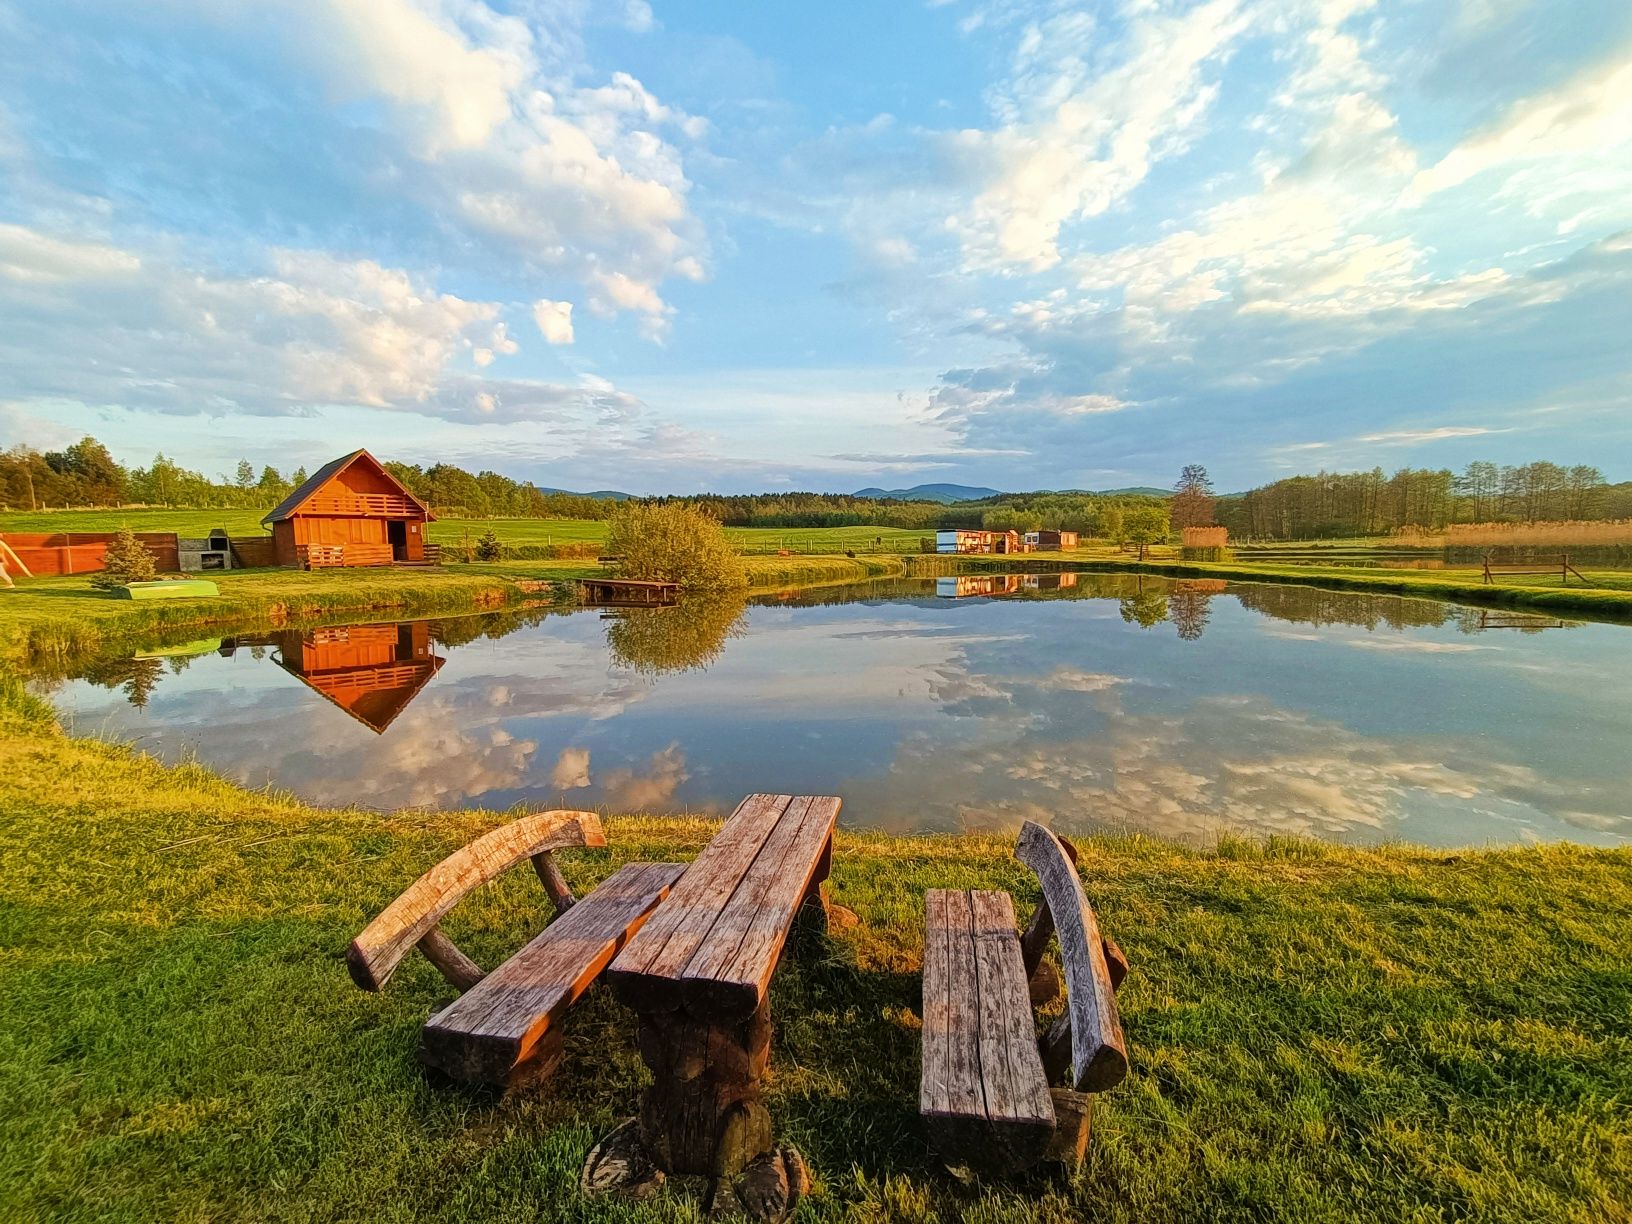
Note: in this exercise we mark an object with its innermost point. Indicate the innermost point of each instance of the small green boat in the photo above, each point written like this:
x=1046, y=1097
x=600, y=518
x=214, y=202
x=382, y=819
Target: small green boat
x=180, y=588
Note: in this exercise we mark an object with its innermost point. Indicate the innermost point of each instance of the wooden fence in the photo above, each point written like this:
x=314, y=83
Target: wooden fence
x=256, y=552
x=83, y=552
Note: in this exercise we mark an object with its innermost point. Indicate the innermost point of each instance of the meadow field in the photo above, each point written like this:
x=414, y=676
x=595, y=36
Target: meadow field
x=521, y=533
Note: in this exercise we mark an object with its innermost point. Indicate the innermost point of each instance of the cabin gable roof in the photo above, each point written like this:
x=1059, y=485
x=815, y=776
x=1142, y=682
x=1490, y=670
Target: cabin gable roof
x=291, y=505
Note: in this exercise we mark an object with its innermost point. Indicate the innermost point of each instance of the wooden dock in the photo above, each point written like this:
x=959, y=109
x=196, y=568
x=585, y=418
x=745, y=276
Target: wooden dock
x=627, y=592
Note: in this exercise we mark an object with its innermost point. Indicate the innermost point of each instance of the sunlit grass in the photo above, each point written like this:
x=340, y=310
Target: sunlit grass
x=1317, y=1033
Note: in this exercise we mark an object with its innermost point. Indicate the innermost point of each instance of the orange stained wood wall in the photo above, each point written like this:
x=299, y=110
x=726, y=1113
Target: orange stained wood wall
x=82, y=552
x=357, y=647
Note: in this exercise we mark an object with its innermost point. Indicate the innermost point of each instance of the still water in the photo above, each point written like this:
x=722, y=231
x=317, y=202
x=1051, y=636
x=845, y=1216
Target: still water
x=1180, y=708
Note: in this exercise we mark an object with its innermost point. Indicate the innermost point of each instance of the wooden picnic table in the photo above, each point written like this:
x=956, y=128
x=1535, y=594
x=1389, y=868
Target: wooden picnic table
x=698, y=974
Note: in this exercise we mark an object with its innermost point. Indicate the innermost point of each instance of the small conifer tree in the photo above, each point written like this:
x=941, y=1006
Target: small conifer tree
x=128, y=560
x=489, y=547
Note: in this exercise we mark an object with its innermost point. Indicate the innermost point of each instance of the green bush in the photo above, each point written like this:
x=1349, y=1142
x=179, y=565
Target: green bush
x=128, y=560
x=673, y=543
x=489, y=547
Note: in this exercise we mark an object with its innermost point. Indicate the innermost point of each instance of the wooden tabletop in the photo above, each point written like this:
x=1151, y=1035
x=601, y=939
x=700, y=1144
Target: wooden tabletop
x=712, y=945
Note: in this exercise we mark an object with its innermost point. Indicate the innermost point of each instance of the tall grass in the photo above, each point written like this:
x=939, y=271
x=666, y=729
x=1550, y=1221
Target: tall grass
x=1559, y=535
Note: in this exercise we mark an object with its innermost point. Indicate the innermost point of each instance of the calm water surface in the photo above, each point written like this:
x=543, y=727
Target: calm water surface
x=1092, y=702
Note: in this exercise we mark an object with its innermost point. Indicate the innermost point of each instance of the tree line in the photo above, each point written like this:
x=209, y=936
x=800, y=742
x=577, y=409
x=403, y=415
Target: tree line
x=1326, y=505
x=87, y=475
x=1337, y=505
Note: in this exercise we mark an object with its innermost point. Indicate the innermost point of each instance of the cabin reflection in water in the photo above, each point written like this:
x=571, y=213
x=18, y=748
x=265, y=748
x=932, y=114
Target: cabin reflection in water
x=966, y=585
x=371, y=672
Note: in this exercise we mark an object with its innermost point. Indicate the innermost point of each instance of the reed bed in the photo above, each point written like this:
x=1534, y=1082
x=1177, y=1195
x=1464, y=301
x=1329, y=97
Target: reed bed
x=1604, y=533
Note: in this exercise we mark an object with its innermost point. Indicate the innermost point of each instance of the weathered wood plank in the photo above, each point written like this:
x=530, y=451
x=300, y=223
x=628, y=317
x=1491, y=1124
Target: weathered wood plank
x=1010, y=1069
x=935, y=1073
x=498, y=1024
x=1098, y=1050
x=375, y=954
x=731, y=970
x=461, y=972
x=983, y=1094
x=646, y=974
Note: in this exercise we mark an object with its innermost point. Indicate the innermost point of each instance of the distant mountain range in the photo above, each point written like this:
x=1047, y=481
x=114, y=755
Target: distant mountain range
x=1144, y=489
x=944, y=493
x=931, y=492
x=598, y=495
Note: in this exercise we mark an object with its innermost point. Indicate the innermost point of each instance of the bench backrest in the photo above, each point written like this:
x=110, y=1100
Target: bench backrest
x=412, y=918
x=1091, y=1024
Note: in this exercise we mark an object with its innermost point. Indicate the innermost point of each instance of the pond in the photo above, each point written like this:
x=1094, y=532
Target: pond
x=1094, y=702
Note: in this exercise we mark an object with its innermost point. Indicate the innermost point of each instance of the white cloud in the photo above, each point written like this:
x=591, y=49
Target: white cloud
x=311, y=330
x=482, y=122
x=1589, y=113
x=554, y=320
x=1411, y=437
x=1079, y=133
x=28, y=256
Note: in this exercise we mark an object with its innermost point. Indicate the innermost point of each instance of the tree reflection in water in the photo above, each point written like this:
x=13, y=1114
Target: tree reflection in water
x=689, y=636
x=1145, y=606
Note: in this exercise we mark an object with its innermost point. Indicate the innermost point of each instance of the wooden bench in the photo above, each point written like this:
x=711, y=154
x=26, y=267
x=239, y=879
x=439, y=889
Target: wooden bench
x=504, y=1029
x=1559, y=565
x=986, y=1093
x=698, y=975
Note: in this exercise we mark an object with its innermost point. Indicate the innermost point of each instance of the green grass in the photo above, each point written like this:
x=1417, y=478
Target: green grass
x=1317, y=1034
x=51, y=618
x=48, y=620
x=520, y=532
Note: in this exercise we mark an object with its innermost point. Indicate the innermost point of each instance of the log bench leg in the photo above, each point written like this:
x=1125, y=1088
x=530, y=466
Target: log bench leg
x=1073, y=1112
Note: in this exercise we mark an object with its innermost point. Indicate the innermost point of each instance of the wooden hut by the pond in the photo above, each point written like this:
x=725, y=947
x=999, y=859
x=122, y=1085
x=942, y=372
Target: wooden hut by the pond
x=351, y=512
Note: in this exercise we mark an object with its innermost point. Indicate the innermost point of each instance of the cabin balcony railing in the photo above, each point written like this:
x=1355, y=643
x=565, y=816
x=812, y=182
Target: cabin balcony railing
x=371, y=679
x=361, y=505
x=331, y=556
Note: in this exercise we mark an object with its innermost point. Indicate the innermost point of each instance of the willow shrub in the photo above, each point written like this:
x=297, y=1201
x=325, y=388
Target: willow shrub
x=673, y=543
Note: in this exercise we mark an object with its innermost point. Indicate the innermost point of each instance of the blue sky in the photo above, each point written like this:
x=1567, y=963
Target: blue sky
x=670, y=247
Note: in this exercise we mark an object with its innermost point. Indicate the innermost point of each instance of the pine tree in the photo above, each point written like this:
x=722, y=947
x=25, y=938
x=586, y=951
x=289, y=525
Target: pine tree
x=128, y=560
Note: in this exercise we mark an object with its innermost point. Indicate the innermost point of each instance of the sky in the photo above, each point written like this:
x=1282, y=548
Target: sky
x=670, y=247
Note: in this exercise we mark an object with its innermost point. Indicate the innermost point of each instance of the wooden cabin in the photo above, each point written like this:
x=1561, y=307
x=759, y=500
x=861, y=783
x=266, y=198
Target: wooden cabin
x=1052, y=541
x=371, y=672
x=351, y=512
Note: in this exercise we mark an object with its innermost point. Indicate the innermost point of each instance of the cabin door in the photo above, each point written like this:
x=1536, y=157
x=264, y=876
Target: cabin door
x=397, y=532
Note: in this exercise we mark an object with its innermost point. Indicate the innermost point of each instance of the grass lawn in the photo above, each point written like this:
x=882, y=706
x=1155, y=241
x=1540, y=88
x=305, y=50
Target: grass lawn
x=46, y=619
x=1316, y=1033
